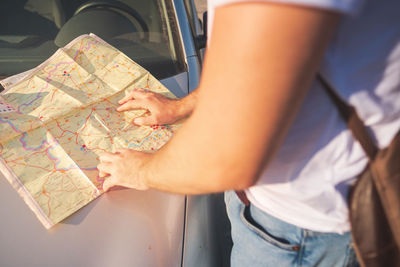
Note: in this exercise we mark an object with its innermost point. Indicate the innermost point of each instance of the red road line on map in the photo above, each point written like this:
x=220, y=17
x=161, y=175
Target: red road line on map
x=72, y=182
x=43, y=193
x=87, y=46
x=84, y=126
x=52, y=95
x=37, y=152
x=64, y=190
x=79, y=50
x=48, y=202
x=63, y=131
x=28, y=165
x=55, y=161
x=87, y=119
x=47, y=84
x=30, y=155
x=71, y=190
x=96, y=148
x=29, y=81
x=75, y=83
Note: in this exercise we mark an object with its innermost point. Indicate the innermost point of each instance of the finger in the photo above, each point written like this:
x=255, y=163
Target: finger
x=136, y=93
x=122, y=150
x=107, y=157
x=139, y=92
x=108, y=183
x=145, y=120
x=105, y=168
x=133, y=104
x=102, y=174
x=126, y=99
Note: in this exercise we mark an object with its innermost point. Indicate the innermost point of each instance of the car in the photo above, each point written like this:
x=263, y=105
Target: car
x=124, y=227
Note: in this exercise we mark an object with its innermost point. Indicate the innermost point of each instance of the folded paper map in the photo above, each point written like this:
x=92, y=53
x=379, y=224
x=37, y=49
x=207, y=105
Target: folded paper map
x=56, y=119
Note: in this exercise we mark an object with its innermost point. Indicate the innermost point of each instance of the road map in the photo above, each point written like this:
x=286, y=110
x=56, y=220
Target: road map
x=56, y=119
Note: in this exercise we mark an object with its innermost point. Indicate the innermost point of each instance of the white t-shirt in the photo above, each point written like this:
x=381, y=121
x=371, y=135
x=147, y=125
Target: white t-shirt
x=307, y=183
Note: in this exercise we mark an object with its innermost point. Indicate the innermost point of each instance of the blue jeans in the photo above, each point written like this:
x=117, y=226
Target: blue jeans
x=262, y=240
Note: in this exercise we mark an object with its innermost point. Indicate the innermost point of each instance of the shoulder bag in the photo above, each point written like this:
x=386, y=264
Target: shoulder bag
x=374, y=199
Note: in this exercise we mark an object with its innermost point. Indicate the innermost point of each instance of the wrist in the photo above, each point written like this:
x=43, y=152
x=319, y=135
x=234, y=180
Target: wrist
x=180, y=109
x=184, y=107
x=144, y=174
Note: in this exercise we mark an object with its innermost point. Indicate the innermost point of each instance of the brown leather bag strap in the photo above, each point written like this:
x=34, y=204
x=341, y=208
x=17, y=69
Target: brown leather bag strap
x=354, y=123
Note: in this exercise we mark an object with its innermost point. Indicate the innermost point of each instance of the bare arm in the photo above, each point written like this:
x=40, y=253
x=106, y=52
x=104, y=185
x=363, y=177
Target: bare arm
x=259, y=65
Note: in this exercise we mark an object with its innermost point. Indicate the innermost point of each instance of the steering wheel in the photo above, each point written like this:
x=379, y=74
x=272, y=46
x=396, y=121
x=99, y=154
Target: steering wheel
x=119, y=6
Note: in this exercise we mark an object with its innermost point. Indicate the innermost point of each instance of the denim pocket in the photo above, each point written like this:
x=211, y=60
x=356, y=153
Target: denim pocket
x=245, y=216
x=227, y=197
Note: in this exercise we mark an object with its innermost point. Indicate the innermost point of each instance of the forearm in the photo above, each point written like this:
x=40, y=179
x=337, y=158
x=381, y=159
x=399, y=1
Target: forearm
x=247, y=100
x=196, y=162
x=184, y=107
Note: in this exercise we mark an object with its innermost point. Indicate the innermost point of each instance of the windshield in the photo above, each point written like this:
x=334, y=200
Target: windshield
x=145, y=30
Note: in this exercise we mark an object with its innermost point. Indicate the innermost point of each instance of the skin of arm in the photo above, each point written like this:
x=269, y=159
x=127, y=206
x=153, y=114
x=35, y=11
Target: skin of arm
x=259, y=65
x=161, y=110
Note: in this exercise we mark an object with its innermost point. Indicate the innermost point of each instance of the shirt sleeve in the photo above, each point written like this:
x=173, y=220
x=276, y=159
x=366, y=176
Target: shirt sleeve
x=350, y=7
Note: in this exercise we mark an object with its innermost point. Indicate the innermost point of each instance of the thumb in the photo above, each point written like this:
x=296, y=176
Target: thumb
x=108, y=183
x=146, y=120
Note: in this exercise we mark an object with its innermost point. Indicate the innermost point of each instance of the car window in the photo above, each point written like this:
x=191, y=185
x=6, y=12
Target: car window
x=145, y=30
